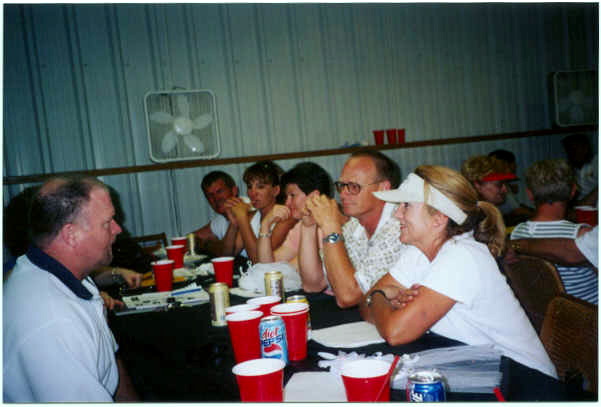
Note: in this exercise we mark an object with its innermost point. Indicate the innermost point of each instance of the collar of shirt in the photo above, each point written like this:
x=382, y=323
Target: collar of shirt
x=51, y=265
x=387, y=212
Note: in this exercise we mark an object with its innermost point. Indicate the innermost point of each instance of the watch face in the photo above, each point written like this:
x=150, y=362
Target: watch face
x=332, y=238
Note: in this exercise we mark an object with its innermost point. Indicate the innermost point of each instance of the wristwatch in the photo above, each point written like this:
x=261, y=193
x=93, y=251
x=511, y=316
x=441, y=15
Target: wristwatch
x=333, y=238
x=370, y=296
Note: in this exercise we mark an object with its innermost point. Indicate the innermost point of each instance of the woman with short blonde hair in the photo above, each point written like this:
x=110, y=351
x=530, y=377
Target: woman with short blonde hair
x=455, y=286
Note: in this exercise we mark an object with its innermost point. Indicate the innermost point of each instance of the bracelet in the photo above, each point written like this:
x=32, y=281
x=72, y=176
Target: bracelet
x=268, y=234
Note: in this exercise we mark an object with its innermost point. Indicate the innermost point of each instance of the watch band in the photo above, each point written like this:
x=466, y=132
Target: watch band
x=369, y=298
x=268, y=234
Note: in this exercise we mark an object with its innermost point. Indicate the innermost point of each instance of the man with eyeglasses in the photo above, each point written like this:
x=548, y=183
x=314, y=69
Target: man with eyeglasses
x=358, y=253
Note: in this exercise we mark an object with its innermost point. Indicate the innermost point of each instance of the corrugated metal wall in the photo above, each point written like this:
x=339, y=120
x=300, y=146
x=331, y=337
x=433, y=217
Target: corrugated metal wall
x=287, y=78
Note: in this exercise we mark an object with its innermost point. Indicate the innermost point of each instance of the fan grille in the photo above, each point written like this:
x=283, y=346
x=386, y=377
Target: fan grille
x=171, y=117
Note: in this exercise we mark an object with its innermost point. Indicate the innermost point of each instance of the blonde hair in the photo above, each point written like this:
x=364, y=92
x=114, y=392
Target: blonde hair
x=477, y=167
x=483, y=218
x=550, y=181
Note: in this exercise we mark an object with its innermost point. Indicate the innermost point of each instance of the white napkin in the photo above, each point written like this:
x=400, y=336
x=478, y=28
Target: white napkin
x=241, y=292
x=314, y=386
x=351, y=335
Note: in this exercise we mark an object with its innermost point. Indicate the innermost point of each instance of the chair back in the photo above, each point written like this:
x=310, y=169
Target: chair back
x=569, y=334
x=151, y=243
x=535, y=282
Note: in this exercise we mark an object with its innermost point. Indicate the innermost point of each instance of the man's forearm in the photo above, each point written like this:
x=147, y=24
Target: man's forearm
x=557, y=250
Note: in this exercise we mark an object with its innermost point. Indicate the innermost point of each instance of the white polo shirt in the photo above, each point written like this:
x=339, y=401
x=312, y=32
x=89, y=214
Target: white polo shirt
x=57, y=344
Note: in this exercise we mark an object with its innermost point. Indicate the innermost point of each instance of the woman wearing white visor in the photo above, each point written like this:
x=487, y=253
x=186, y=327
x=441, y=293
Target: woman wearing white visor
x=458, y=289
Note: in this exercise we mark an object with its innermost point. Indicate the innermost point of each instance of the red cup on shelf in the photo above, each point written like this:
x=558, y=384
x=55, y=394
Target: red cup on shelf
x=294, y=315
x=265, y=303
x=244, y=334
x=260, y=380
x=587, y=214
x=378, y=137
x=224, y=270
x=364, y=378
x=391, y=136
x=400, y=136
x=180, y=240
x=163, y=274
x=176, y=253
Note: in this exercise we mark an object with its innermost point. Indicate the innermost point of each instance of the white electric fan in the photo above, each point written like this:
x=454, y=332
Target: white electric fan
x=576, y=96
x=181, y=125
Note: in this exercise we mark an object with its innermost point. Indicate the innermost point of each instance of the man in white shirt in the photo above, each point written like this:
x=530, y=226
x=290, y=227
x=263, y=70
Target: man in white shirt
x=57, y=345
x=217, y=187
x=358, y=253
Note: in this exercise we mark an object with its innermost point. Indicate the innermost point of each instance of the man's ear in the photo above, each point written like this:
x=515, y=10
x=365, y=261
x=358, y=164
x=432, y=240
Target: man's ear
x=384, y=185
x=573, y=192
x=277, y=188
x=69, y=234
x=530, y=194
x=235, y=190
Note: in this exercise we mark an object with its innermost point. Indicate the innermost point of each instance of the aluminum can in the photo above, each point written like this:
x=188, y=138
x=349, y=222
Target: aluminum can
x=191, y=248
x=274, y=284
x=272, y=333
x=425, y=385
x=220, y=300
x=303, y=299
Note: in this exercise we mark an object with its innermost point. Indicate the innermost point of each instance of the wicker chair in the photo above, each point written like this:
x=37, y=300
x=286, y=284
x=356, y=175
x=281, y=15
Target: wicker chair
x=535, y=282
x=151, y=243
x=569, y=334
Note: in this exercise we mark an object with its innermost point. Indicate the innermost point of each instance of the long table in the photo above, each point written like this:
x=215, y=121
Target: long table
x=176, y=355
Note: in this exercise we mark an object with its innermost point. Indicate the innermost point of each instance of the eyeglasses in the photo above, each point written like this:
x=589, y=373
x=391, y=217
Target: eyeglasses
x=351, y=187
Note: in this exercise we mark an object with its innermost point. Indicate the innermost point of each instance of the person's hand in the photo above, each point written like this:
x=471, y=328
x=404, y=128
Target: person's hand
x=109, y=302
x=324, y=211
x=239, y=209
x=277, y=214
x=132, y=278
x=404, y=297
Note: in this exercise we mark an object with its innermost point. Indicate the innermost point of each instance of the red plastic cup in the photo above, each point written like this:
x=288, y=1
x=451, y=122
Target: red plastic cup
x=364, y=378
x=587, y=214
x=163, y=274
x=379, y=136
x=244, y=334
x=224, y=270
x=294, y=315
x=265, y=303
x=391, y=135
x=401, y=136
x=176, y=253
x=260, y=380
x=241, y=308
x=180, y=240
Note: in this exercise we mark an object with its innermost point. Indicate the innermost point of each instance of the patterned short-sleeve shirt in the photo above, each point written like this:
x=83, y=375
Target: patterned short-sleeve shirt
x=373, y=258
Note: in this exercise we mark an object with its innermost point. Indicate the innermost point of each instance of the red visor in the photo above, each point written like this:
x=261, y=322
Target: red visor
x=497, y=176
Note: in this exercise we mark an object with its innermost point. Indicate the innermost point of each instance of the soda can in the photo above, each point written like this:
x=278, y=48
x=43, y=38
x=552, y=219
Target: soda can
x=274, y=284
x=425, y=385
x=220, y=300
x=191, y=243
x=272, y=334
x=303, y=299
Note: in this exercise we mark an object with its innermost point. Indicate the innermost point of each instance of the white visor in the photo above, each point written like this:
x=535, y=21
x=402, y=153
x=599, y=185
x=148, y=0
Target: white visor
x=412, y=190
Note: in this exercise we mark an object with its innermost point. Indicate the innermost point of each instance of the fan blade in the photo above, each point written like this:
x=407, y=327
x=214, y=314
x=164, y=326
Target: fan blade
x=202, y=122
x=161, y=117
x=169, y=141
x=183, y=106
x=194, y=143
